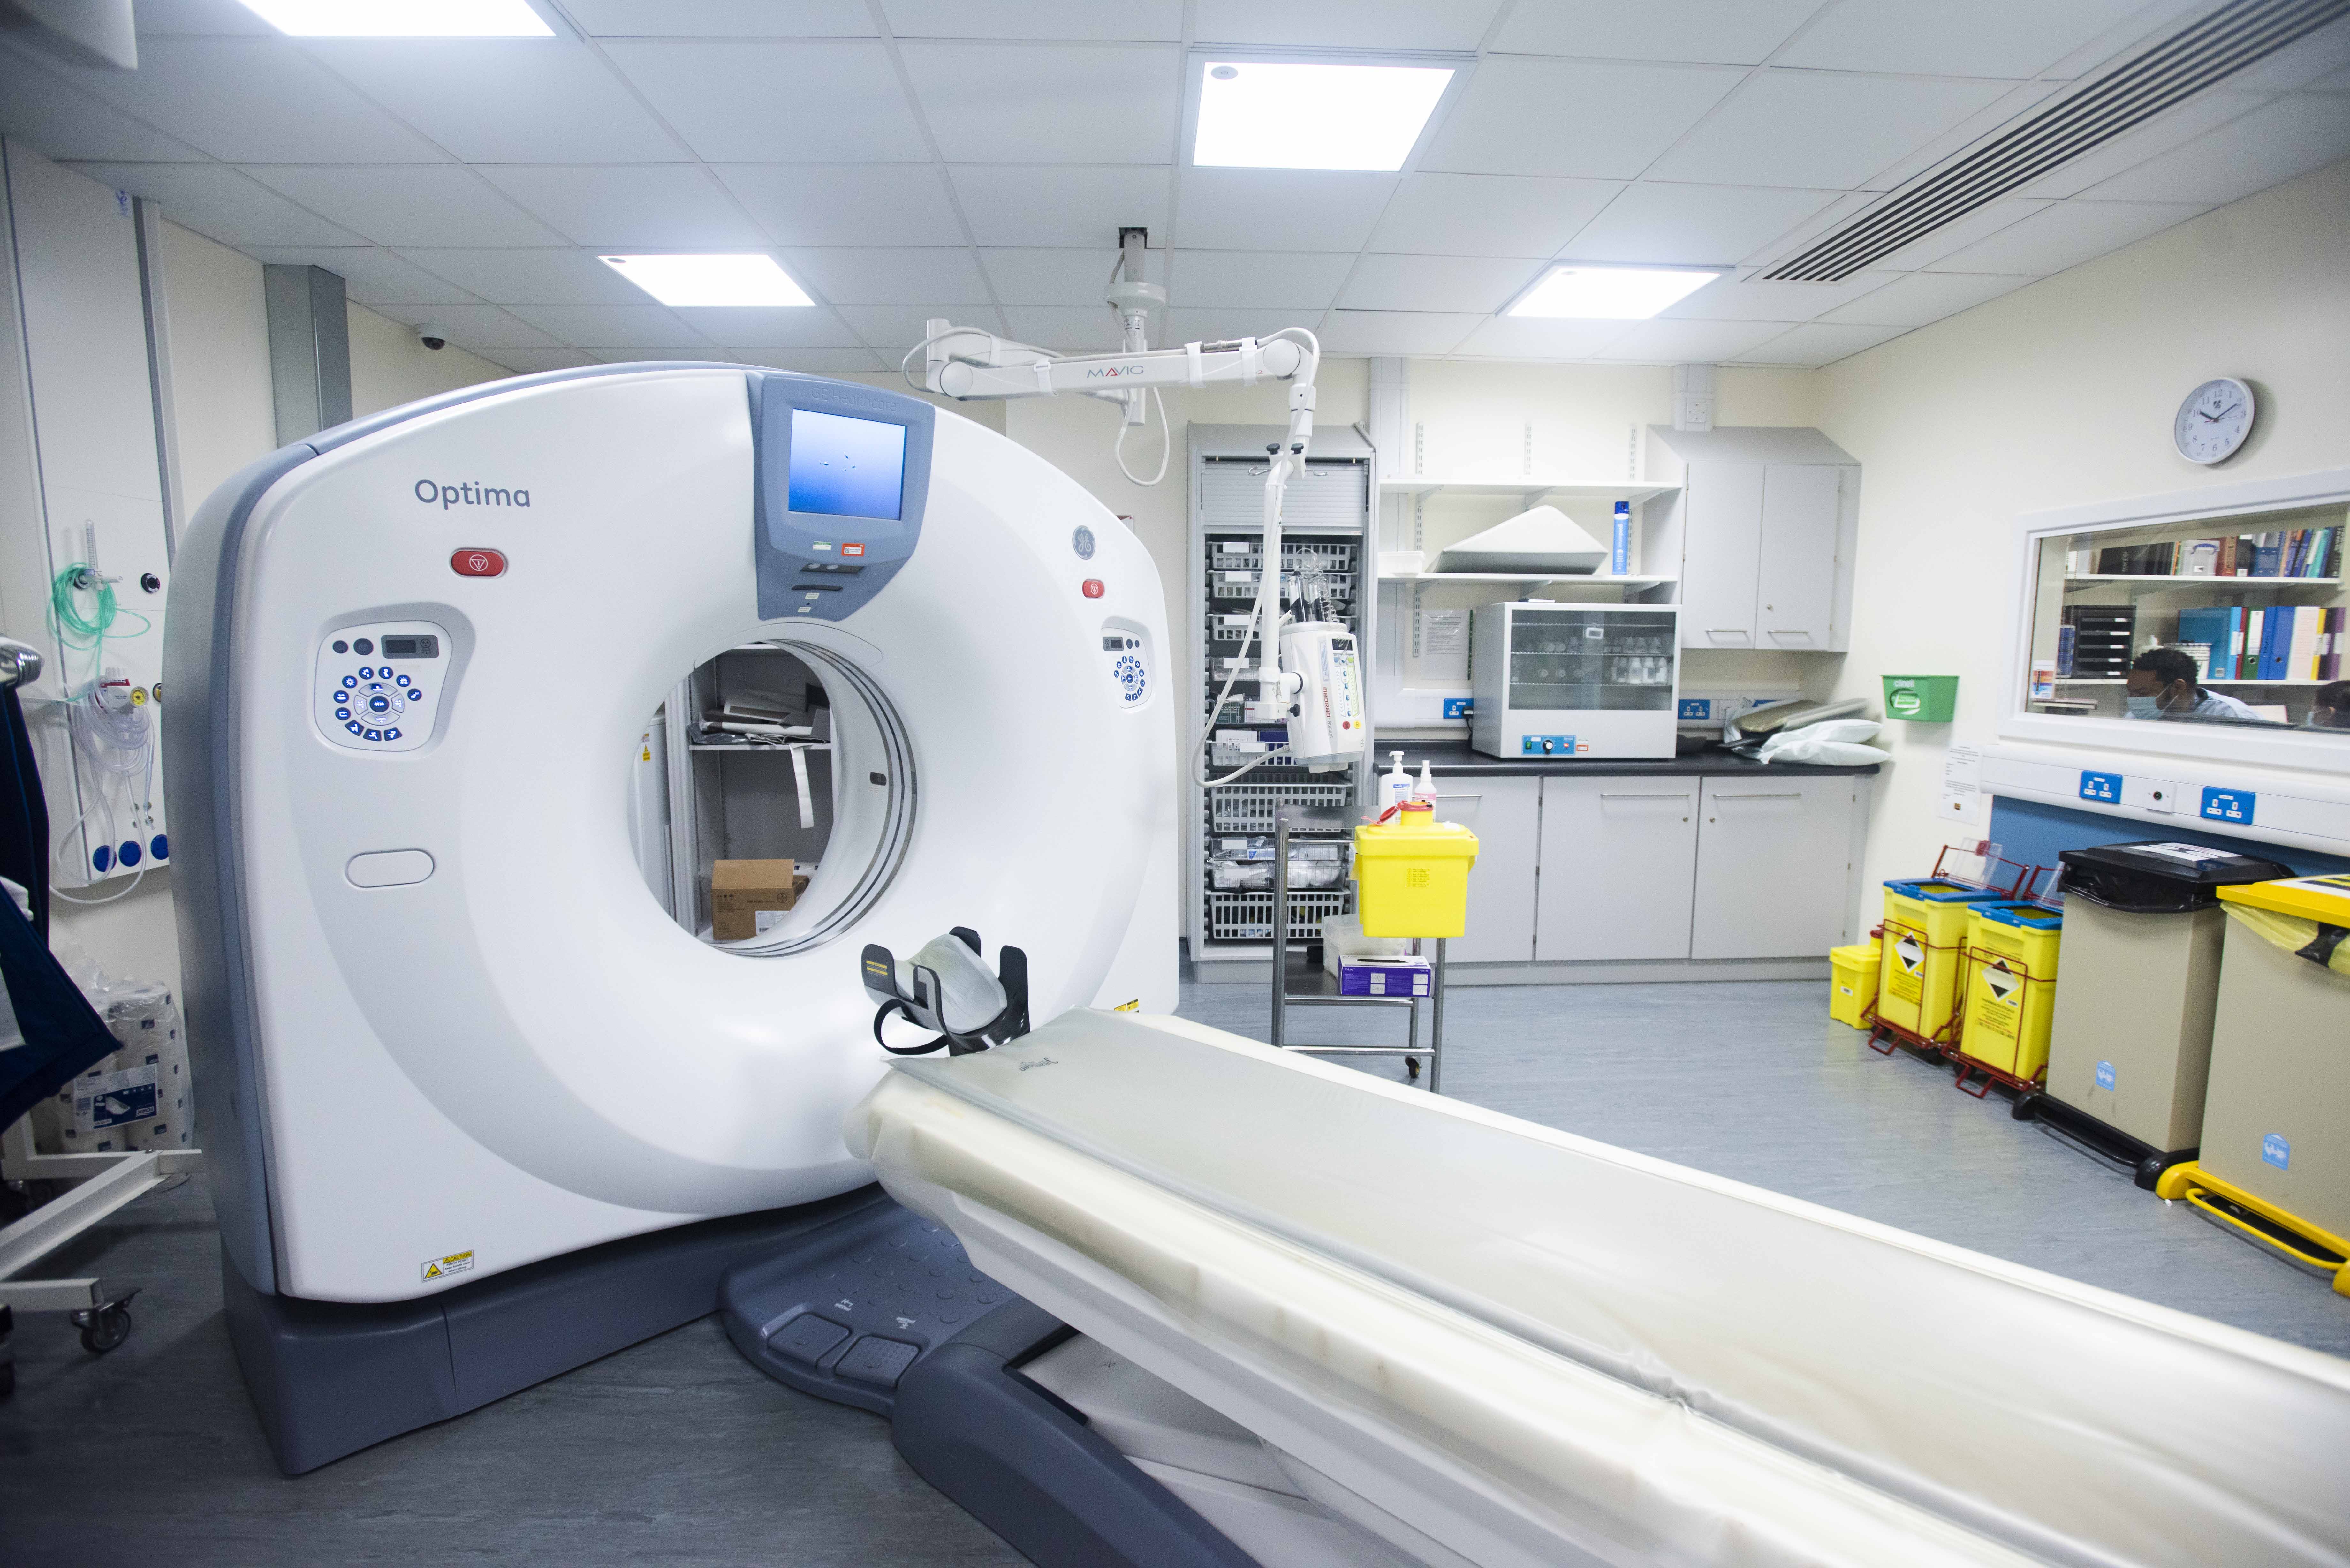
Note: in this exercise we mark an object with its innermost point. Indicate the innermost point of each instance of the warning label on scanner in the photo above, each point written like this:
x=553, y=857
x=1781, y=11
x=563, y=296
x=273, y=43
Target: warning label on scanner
x=454, y=1264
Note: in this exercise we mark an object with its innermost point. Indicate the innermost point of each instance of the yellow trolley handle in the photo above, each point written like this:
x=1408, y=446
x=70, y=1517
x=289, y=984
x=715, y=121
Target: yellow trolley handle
x=2195, y=1194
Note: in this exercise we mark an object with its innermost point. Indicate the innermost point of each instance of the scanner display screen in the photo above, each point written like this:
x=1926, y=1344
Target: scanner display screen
x=843, y=467
x=411, y=648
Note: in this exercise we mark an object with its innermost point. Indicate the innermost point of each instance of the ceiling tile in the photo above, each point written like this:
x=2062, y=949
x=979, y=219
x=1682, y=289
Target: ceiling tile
x=774, y=103
x=1488, y=214
x=796, y=327
x=530, y=277
x=2011, y=38
x=1068, y=276
x=817, y=361
x=1068, y=328
x=2296, y=65
x=1817, y=343
x=1525, y=338
x=1301, y=281
x=2067, y=233
x=1520, y=116
x=724, y=18
x=1815, y=129
x=1395, y=331
x=1046, y=20
x=846, y=204
x=218, y=201
x=1729, y=299
x=1007, y=205
x=1724, y=32
x=613, y=326
x=254, y=100
x=531, y=361
x=659, y=206
x=1479, y=283
x=1031, y=103
x=2290, y=136
x=1918, y=298
x=1955, y=236
x=1277, y=209
x=371, y=276
x=1692, y=225
x=65, y=122
x=436, y=204
x=894, y=328
x=2204, y=112
x=1344, y=24
x=472, y=326
x=220, y=18
x=1686, y=342
x=504, y=100
x=902, y=275
x=1204, y=324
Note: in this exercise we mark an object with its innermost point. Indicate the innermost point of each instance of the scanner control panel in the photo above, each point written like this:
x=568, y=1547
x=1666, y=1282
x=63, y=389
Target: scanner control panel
x=1123, y=651
x=379, y=687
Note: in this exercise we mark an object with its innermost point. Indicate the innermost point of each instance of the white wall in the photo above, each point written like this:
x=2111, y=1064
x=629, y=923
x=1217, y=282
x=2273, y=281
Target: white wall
x=2062, y=394
x=390, y=367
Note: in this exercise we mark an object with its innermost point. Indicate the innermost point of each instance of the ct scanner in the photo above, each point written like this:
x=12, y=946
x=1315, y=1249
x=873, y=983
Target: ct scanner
x=479, y=1111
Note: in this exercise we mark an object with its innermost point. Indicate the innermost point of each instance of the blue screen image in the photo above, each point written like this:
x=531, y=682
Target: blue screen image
x=846, y=468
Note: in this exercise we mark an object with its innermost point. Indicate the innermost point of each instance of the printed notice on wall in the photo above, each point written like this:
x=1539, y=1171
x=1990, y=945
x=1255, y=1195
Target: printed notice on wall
x=1962, y=785
x=1444, y=644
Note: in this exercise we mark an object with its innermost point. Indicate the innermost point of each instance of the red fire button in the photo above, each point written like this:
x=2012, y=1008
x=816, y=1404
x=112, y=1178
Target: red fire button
x=1093, y=587
x=471, y=563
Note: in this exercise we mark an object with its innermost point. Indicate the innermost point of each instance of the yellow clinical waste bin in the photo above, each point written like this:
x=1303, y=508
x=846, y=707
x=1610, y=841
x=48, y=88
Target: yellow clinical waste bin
x=1411, y=875
x=1925, y=940
x=2276, y=1113
x=1852, y=987
x=2011, y=985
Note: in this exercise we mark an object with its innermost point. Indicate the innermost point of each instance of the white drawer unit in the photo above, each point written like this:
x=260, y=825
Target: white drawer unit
x=1619, y=867
x=1774, y=866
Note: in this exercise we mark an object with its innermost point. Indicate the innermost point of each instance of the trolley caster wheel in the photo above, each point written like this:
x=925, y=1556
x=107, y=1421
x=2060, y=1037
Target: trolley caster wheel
x=1412, y=1069
x=2026, y=1106
x=104, y=1328
x=2149, y=1170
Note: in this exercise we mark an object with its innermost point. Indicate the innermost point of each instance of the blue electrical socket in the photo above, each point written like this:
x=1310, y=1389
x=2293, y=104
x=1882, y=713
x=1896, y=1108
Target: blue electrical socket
x=1699, y=708
x=1458, y=707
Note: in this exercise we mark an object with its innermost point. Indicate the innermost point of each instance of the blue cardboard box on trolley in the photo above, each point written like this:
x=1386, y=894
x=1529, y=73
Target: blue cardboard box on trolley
x=1384, y=976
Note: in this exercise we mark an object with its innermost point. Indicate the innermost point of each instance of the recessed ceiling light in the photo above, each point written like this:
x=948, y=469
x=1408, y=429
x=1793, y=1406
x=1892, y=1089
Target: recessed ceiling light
x=710, y=280
x=402, y=18
x=1255, y=115
x=1611, y=293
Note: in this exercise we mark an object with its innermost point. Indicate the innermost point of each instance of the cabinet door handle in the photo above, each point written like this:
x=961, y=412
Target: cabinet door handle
x=1784, y=795
x=1636, y=794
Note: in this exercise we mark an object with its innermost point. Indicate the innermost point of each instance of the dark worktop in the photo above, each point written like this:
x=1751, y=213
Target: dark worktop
x=1456, y=759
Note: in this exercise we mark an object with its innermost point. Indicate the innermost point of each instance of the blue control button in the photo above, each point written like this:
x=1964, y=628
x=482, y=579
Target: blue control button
x=130, y=852
x=162, y=845
x=342, y=648
x=391, y=734
x=343, y=714
x=355, y=728
x=351, y=680
x=378, y=704
x=102, y=856
x=416, y=693
x=404, y=680
x=367, y=672
x=375, y=734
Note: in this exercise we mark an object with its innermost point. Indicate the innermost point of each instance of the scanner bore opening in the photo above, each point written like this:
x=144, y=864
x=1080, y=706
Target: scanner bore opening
x=728, y=789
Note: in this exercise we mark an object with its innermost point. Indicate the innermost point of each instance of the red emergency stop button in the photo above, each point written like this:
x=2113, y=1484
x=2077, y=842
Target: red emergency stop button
x=1093, y=587
x=478, y=563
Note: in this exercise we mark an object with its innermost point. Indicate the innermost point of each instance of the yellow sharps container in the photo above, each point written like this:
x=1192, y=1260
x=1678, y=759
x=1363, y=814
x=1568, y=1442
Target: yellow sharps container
x=1412, y=874
x=1852, y=987
x=1925, y=940
x=2012, y=948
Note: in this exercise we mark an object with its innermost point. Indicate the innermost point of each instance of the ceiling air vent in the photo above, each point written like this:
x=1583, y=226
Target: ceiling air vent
x=2222, y=43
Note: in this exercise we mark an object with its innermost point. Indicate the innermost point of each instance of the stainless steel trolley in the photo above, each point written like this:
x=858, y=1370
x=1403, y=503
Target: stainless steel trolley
x=1308, y=985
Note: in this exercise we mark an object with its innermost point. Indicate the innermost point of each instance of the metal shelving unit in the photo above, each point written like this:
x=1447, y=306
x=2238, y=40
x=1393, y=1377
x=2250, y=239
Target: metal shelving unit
x=1313, y=986
x=1324, y=525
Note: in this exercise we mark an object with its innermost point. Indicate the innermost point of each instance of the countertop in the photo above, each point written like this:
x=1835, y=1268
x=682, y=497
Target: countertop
x=1455, y=758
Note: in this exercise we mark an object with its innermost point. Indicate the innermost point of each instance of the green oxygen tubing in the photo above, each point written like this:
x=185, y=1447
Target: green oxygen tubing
x=114, y=738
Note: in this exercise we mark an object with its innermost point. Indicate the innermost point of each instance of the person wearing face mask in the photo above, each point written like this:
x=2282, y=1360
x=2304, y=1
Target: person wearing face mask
x=2331, y=710
x=2162, y=685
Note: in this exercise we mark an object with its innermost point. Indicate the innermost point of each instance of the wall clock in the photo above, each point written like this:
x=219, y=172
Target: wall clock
x=2214, y=420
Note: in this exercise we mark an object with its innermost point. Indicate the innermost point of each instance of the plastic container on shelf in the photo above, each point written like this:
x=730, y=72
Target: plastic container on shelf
x=1923, y=698
x=1924, y=945
x=1852, y=985
x=2013, y=946
x=1412, y=874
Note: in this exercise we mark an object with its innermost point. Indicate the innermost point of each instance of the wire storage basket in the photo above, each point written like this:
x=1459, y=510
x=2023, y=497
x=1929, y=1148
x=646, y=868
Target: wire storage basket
x=1249, y=807
x=1248, y=917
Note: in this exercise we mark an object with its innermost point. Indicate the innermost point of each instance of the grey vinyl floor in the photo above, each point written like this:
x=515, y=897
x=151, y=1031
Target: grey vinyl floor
x=676, y=1452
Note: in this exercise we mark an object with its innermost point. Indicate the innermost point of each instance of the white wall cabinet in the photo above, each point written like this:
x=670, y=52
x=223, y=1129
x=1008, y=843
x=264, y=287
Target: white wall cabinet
x=1763, y=531
x=1774, y=866
x=1505, y=814
x=1618, y=861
